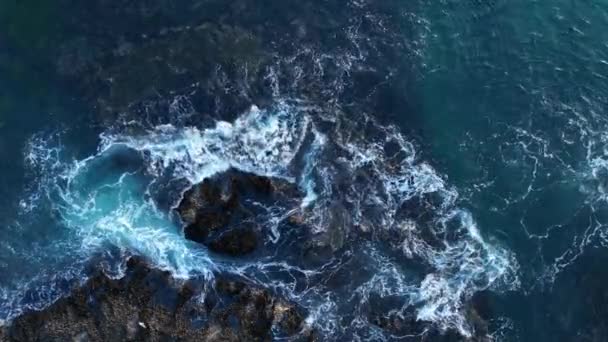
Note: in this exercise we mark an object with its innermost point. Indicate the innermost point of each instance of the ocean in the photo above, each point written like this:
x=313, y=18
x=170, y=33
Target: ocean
x=450, y=156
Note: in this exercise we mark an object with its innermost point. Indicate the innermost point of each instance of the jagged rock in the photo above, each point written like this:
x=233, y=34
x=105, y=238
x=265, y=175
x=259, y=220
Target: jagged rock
x=218, y=213
x=149, y=305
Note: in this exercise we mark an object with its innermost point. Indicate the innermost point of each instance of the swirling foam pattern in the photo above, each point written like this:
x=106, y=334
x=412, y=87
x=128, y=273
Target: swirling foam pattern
x=392, y=197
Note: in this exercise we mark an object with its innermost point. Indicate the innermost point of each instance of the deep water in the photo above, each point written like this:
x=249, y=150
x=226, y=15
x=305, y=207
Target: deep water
x=451, y=154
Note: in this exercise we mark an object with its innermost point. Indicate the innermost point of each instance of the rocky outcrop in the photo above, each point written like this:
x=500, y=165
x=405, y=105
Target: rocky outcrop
x=149, y=305
x=220, y=211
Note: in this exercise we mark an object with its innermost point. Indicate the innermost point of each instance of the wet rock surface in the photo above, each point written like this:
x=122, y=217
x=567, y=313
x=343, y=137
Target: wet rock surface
x=149, y=305
x=220, y=212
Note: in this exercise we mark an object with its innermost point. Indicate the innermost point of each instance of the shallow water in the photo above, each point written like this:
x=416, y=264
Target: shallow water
x=456, y=147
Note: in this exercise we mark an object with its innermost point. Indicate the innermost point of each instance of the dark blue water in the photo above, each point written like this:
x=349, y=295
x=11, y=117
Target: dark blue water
x=517, y=96
x=451, y=155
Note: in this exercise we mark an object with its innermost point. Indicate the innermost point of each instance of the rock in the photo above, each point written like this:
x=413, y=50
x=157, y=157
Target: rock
x=82, y=337
x=320, y=247
x=129, y=309
x=407, y=324
x=340, y=224
x=133, y=327
x=296, y=218
x=218, y=212
x=254, y=310
x=236, y=241
x=287, y=317
x=316, y=253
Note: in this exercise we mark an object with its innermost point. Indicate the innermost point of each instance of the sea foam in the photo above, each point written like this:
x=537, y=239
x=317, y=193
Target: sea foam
x=373, y=171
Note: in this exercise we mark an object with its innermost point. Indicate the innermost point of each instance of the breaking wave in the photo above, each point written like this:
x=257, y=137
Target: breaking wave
x=366, y=194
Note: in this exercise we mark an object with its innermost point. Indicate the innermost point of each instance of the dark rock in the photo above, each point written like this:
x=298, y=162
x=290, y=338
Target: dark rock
x=82, y=337
x=320, y=247
x=218, y=212
x=287, y=316
x=105, y=309
x=255, y=311
x=316, y=252
x=389, y=314
x=339, y=225
x=399, y=324
x=236, y=241
x=116, y=74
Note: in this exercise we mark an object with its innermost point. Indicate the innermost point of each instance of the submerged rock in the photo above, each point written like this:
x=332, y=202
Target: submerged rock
x=140, y=75
x=149, y=305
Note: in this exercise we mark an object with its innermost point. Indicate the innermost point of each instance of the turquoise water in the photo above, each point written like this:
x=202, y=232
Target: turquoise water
x=466, y=140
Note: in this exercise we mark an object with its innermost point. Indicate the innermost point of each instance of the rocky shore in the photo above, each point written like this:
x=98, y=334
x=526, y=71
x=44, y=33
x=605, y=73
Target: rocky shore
x=149, y=305
x=137, y=65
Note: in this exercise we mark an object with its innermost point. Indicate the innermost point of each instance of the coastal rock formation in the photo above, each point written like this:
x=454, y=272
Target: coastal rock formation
x=147, y=304
x=220, y=211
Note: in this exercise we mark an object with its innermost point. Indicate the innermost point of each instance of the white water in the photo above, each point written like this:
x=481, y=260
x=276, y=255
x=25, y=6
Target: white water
x=373, y=176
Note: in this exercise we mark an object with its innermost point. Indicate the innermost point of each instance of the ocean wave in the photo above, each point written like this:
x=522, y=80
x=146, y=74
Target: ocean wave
x=354, y=167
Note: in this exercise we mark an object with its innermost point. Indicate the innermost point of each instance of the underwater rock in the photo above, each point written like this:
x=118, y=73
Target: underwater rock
x=407, y=325
x=136, y=58
x=149, y=305
x=256, y=310
x=142, y=76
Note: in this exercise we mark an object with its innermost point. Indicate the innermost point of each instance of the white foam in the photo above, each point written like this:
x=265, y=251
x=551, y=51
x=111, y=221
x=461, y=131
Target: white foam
x=462, y=264
x=262, y=142
x=285, y=141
